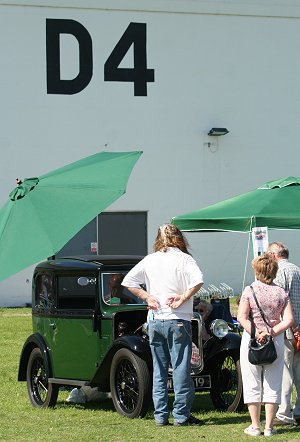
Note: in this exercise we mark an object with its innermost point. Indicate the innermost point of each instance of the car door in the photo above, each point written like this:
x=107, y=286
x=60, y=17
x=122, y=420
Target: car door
x=69, y=332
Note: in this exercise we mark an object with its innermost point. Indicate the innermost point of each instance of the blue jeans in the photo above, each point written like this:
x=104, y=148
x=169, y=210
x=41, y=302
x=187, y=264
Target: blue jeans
x=171, y=342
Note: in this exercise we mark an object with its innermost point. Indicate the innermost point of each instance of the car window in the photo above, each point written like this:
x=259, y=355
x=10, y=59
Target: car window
x=76, y=292
x=113, y=292
x=44, y=292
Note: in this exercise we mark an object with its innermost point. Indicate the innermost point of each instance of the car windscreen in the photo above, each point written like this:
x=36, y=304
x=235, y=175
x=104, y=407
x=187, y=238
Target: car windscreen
x=113, y=292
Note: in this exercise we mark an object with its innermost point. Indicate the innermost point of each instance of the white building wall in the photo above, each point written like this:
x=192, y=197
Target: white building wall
x=230, y=64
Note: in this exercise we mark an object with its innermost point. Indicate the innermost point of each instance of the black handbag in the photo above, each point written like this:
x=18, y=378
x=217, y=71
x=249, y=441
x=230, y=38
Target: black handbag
x=261, y=354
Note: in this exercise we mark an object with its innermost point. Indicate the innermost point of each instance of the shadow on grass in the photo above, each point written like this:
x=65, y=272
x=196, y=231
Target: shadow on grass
x=105, y=405
x=202, y=406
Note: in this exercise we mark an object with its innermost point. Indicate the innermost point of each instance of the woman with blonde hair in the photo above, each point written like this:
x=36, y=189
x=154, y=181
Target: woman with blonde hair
x=262, y=383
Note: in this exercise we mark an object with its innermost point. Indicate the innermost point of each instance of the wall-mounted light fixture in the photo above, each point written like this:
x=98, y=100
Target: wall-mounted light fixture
x=218, y=131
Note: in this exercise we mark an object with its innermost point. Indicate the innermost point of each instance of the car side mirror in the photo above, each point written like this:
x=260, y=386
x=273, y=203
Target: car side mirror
x=83, y=281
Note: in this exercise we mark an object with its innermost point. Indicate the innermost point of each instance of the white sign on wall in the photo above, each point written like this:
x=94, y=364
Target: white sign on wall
x=94, y=247
x=260, y=240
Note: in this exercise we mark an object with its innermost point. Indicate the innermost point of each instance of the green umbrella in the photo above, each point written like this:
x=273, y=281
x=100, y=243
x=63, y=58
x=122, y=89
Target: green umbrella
x=43, y=214
x=275, y=204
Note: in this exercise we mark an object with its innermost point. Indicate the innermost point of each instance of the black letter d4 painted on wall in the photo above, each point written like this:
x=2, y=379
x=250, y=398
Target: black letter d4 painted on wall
x=55, y=85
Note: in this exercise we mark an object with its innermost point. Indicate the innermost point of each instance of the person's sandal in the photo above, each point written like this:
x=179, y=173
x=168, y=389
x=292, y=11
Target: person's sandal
x=270, y=431
x=252, y=431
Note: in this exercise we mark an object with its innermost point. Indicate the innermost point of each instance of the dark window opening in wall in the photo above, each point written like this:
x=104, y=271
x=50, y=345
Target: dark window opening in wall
x=111, y=233
x=122, y=233
x=81, y=243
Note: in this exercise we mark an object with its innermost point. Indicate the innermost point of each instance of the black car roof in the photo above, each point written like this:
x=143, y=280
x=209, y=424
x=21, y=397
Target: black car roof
x=89, y=262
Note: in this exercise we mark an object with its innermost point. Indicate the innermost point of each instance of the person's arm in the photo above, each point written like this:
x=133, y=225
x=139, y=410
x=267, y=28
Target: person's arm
x=243, y=319
x=152, y=302
x=178, y=300
x=243, y=315
x=287, y=321
x=194, y=278
x=134, y=280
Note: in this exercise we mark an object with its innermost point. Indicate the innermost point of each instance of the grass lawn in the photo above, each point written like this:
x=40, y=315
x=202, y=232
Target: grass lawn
x=19, y=421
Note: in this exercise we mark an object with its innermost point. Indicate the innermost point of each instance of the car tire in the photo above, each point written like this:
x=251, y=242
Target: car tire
x=130, y=384
x=41, y=393
x=226, y=382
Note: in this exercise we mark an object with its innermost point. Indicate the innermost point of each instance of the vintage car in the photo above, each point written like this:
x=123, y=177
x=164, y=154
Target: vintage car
x=90, y=330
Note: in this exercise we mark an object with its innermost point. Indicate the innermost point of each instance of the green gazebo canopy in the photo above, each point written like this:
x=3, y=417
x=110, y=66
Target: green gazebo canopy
x=275, y=204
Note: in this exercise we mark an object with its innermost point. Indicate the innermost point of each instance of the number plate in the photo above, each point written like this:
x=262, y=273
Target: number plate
x=199, y=381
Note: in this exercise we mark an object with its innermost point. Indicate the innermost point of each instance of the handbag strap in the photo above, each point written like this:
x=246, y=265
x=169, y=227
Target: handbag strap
x=252, y=327
x=260, y=310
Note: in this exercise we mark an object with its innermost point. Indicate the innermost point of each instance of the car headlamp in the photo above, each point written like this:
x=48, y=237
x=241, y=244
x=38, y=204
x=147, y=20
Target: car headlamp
x=219, y=328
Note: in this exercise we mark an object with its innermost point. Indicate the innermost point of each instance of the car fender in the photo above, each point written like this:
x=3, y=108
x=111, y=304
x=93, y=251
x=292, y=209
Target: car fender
x=132, y=342
x=215, y=346
x=136, y=344
x=33, y=341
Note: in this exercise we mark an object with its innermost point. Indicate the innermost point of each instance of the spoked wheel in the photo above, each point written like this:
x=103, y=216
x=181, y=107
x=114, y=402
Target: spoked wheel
x=130, y=384
x=41, y=393
x=227, y=389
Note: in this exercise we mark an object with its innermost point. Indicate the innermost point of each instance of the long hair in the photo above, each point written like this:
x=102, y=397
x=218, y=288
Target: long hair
x=169, y=235
x=265, y=268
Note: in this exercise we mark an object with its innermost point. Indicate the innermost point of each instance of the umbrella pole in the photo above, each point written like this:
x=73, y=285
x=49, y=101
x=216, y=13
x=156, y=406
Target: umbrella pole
x=247, y=254
x=97, y=233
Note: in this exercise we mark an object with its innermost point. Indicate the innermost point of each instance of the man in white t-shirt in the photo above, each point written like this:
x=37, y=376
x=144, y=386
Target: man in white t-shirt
x=171, y=277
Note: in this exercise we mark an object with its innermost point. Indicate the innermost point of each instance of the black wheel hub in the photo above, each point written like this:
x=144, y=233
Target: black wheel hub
x=127, y=386
x=39, y=381
x=226, y=380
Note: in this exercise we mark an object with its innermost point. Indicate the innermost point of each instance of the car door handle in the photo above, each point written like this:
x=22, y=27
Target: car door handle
x=53, y=325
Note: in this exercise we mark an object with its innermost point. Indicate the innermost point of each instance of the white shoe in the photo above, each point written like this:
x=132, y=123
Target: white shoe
x=76, y=396
x=252, y=431
x=270, y=432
